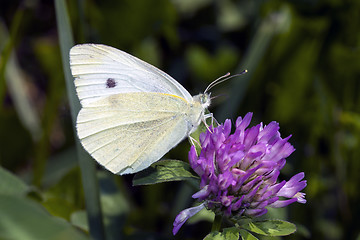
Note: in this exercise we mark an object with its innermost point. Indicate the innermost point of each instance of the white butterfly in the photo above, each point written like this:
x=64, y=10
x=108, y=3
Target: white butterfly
x=132, y=113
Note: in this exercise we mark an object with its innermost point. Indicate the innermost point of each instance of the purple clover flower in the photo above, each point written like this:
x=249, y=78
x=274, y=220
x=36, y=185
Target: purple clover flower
x=239, y=171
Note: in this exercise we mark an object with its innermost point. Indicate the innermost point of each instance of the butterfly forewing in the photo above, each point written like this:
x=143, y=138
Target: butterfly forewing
x=103, y=71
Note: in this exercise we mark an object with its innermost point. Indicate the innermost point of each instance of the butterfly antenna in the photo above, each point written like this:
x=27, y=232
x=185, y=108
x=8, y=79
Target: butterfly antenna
x=213, y=83
x=223, y=79
x=220, y=95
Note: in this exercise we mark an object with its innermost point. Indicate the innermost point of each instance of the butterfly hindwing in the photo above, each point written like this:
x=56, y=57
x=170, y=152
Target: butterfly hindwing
x=128, y=132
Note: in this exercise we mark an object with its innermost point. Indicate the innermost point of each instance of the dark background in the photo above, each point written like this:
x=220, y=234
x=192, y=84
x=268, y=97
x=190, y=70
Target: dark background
x=303, y=59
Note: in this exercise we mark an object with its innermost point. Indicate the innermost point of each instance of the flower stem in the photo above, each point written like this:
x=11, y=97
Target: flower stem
x=217, y=223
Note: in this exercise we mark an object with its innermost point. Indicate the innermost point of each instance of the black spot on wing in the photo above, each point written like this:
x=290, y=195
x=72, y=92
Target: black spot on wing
x=111, y=83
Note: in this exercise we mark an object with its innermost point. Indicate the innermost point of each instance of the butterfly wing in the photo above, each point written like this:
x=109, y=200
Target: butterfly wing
x=101, y=71
x=128, y=132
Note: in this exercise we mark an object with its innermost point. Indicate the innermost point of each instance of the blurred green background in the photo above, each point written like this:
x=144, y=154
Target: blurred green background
x=303, y=59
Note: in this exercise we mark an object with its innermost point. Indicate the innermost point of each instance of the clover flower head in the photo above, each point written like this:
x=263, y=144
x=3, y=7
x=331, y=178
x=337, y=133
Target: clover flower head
x=239, y=171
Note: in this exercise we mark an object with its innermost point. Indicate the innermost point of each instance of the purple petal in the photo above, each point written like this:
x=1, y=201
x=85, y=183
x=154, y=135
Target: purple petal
x=204, y=192
x=260, y=205
x=276, y=188
x=272, y=200
x=185, y=215
x=238, y=173
x=259, y=149
x=271, y=178
x=281, y=163
x=263, y=192
x=282, y=203
x=269, y=132
x=193, y=160
x=292, y=186
x=227, y=127
x=204, y=139
x=251, y=194
x=235, y=158
x=267, y=166
x=243, y=123
x=281, y=149
x=255, y=212
x=248, y=186
x=226, y=200
x=251, y=136
x=225, y=180
x=243, y=178
x=237, y=204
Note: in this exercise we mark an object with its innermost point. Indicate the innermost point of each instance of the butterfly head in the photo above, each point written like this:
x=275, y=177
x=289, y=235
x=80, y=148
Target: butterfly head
x=204, y=99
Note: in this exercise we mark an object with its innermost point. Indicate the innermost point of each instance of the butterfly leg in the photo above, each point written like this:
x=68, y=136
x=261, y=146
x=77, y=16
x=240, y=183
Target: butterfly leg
x=210, y=115
x=193, y=141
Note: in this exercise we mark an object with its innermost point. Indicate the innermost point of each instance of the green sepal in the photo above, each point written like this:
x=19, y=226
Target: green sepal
x=165, y=171
x=227, y=234
x=272, y=228
x=11, y=184
x=245, y=235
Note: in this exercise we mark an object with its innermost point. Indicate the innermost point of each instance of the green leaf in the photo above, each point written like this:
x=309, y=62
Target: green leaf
x=227, y=234
x=87, y=165
x=245, y=235
x=271, y=227
x=79, y=219
x=10, y=184
x=114, y=205
x=214, y=236
x=58, y=207
x=164, y=171
x=231, y=233
x=23, y=218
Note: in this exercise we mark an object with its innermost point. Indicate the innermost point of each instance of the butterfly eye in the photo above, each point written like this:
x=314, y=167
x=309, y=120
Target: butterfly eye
x=204, y=98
